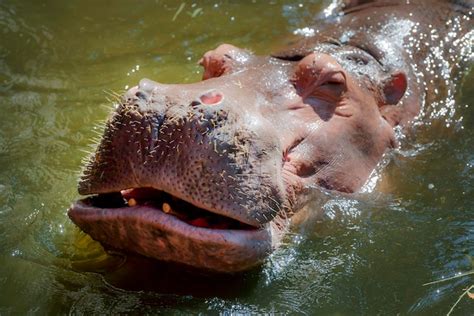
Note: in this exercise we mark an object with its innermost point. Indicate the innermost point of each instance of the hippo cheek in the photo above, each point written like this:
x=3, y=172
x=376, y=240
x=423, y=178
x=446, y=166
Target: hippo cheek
x=328, y=157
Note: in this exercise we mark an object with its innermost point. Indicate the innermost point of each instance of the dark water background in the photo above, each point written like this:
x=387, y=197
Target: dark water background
x=371, y=254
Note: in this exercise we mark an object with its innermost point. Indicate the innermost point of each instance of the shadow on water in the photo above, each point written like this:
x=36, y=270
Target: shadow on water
x=136, y=273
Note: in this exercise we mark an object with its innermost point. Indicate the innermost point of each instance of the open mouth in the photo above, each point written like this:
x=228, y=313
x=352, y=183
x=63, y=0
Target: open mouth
x=159, y=225
x=133, y=199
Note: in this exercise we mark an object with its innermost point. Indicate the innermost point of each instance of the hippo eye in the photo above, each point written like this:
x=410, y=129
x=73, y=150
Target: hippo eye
x=333, y=83
x=318, y=77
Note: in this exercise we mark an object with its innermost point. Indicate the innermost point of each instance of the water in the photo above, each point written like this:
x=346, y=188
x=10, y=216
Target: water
x=371, y=254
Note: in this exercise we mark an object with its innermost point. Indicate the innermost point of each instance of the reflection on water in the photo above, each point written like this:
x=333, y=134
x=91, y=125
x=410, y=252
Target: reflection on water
x=368, y=253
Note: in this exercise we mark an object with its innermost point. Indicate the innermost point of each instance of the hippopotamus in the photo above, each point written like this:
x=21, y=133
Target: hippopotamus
x=210, y=174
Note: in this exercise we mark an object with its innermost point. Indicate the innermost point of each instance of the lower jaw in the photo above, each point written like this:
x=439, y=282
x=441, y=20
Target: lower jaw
x=157, y=235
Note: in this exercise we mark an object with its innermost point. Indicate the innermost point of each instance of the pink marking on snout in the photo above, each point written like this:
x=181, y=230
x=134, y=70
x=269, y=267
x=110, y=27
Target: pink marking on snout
x=211, y=98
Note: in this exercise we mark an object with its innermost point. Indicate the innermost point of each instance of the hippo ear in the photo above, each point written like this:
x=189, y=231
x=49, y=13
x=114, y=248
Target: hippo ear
x=394, y=87
x=393, y=90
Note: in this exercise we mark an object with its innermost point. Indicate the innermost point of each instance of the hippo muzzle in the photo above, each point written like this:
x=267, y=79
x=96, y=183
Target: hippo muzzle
x=186, y=173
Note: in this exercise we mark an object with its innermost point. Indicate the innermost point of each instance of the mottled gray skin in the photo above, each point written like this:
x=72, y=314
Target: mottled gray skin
x=258, y=136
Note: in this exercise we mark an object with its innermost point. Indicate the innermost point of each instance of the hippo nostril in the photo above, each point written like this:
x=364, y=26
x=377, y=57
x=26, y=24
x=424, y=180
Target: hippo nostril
x=141, y=95
x=211, y=98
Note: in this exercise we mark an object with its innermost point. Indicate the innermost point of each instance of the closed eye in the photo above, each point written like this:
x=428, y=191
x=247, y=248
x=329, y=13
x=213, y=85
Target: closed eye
x=334, y=84
x=327, y=83
x=332, y=89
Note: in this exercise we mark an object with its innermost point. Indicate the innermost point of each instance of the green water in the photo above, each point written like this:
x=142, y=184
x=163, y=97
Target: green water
x=371, y=254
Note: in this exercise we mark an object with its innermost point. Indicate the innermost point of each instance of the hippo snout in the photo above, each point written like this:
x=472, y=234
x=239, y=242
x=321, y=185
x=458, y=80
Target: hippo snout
x=195, y=144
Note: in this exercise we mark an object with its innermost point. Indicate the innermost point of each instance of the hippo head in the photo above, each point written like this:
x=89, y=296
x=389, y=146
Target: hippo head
x=208, y=174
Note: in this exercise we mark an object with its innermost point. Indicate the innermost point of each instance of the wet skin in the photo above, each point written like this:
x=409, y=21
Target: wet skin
x=209, y=174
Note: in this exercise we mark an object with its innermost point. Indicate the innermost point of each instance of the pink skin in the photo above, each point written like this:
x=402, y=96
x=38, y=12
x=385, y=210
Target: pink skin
x=304, y=123
x=346, y=133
